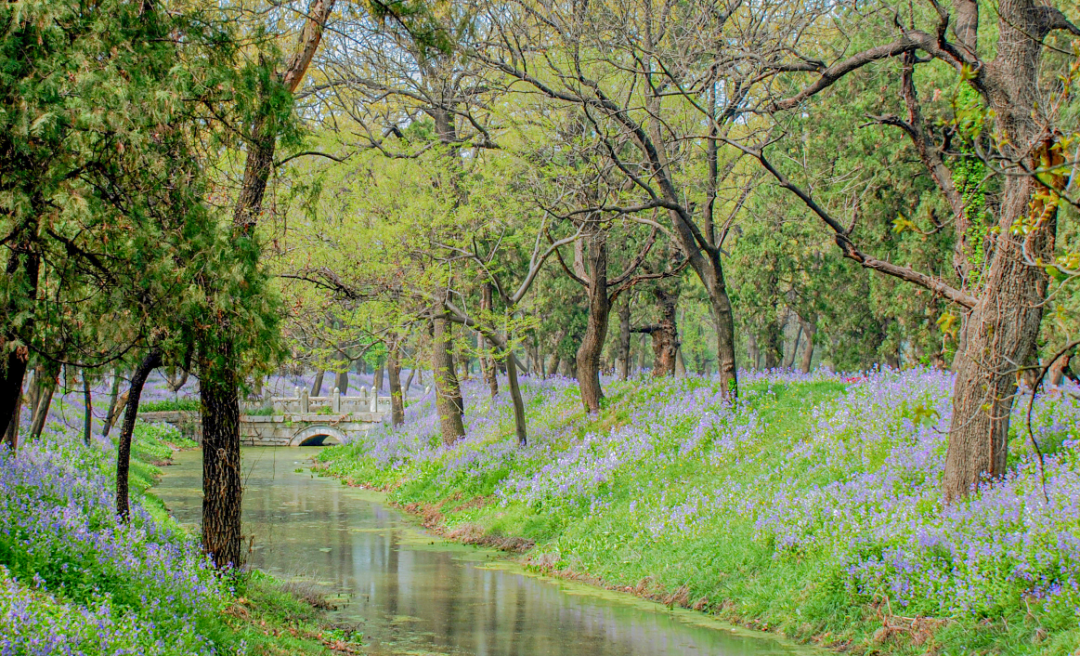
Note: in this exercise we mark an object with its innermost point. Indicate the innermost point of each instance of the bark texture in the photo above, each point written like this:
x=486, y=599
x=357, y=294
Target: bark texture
x=88, y=408
x=46, y=383
x=151, y=361
x=447, y=392
x=316, y=385
x=487, y=363
x=22, y=272
x=1001, y=329
x=810, y=331
x=592, y=343
x=222, y=489
x=622, y=361
x=397, y=400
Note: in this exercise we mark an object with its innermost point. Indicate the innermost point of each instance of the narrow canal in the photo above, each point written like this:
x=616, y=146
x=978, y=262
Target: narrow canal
x=411, y=593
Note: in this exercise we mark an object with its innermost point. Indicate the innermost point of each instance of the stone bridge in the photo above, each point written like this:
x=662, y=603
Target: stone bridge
x=300, y=420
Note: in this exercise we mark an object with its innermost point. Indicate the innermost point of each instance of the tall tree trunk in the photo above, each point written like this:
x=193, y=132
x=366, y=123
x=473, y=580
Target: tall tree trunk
x=1002, y=328
x=222, y=489
x=219, y=396
x=113, y=410
x=774, y=344
x=316, y=385
x=377, y=380
x=665, y=335
x=810, y=328
x=341, y=382
x=88, y=407
x=11, y=435
x=680, y=363
x=22, y=277
x=515, y=397
x=724, y=319
x=47, y=386
x=592, y=343
x=622, y=360
x=487, y=363
x=795, y=348
x=447, y=392
x=408, y=382
x=123, y=447
x=397, y=401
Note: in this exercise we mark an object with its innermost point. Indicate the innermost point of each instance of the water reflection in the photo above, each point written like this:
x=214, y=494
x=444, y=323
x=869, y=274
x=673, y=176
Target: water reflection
x=414, y=595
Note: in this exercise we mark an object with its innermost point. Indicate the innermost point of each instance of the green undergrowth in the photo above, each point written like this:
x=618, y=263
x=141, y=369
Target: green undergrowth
x=169, y=405
x=53, y=584
x=721, y=563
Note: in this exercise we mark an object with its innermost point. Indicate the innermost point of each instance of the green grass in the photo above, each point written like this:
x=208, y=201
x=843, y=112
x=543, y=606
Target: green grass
x=723, y=568
x=170, y=405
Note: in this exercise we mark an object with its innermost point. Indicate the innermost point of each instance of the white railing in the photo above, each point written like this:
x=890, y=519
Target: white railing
x=336, y=404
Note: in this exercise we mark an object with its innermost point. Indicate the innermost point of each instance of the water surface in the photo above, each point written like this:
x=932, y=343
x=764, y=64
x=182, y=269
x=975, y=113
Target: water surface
x=412, y=593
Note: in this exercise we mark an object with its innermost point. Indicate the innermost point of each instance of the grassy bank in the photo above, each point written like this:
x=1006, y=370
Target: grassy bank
x=812, y=509
x=75, y=581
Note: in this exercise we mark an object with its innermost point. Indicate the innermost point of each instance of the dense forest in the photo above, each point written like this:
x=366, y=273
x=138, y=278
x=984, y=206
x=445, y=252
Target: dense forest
x=571, y=241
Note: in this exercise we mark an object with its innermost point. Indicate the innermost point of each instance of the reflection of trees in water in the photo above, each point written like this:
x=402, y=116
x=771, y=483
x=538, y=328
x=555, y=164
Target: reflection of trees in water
x=457, y=607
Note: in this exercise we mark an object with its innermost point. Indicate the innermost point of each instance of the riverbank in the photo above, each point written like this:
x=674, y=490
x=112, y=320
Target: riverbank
x=812, y=510
x=75, y=581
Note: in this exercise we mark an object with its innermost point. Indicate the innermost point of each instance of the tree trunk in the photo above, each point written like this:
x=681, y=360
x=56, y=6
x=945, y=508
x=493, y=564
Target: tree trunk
x=810, y=329
x=408, y=382
x=665, y=335
x=123, y=448
x=22, y=270
x=176, y=378
x=753, y=353
x=222, y=489
x=1002, y=328
x=774, y=344
x=680, y=364
x=341, y=382
x=377, y=380
x=794, y=348
x=112, y=411
x=316, y=385
x=724, y=319
x=47, y=386
x=487, y=363
x=515, y=396
x=592, y=343
x=447, y=392
x=11, y=435
x=397, y=402
x=88, y=407
x=622, y=360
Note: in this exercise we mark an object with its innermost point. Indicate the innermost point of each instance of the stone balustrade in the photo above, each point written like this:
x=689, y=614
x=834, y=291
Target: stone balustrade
x=335, y=404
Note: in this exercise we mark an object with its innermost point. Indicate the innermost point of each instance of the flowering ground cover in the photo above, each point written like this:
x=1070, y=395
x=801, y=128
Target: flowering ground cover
x=812, y=508
x=75, y=581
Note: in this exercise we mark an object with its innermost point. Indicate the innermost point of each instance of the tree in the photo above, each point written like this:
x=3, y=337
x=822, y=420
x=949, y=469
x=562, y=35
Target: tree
x=620, y=64
x=1019, y=137
x=218, y=353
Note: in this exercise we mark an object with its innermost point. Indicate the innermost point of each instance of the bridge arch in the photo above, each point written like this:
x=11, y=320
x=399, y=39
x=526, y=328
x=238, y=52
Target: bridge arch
x=311, y=434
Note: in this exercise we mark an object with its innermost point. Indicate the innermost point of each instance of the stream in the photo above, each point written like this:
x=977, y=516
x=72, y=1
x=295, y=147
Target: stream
x=414, y=593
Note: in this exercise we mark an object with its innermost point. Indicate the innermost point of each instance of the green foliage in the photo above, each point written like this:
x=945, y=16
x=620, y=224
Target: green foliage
x=167, y=405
